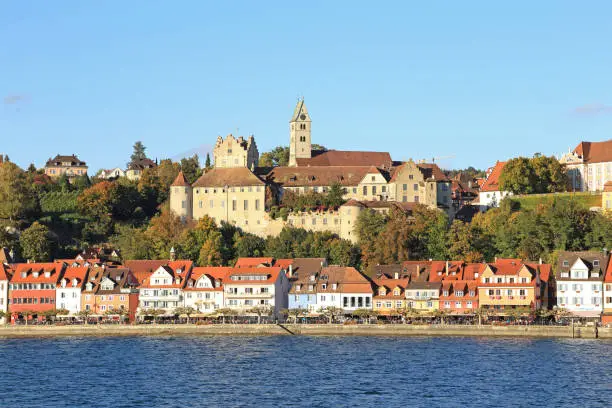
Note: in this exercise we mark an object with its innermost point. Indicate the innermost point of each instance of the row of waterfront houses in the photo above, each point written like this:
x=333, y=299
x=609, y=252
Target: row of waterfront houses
x=581, y=284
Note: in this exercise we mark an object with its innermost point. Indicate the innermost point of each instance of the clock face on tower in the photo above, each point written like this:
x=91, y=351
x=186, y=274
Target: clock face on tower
x=302, y=116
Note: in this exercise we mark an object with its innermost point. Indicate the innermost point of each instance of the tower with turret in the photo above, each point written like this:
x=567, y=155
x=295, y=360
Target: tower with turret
x=300, y=144
x=181, y=197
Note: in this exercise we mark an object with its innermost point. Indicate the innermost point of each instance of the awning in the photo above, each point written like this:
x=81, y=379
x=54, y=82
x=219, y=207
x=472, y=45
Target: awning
x=585, y=314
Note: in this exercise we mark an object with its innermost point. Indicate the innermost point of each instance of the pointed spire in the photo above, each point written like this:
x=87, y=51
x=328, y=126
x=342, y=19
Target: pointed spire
x=180, y=181
x=300, y=112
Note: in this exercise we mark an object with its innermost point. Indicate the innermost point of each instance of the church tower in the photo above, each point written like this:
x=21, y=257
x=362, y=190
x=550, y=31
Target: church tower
x=300, y=145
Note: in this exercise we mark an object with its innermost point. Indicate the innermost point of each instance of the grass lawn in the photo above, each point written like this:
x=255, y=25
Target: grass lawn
x=586, y=200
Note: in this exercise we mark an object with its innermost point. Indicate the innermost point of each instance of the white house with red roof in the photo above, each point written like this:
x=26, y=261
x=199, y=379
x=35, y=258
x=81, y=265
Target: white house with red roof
x=69, y=288
x=343, y=287
x=246, y=288
x=5, y=277
x=490, y=193
x=163, y=289
x=204, y=288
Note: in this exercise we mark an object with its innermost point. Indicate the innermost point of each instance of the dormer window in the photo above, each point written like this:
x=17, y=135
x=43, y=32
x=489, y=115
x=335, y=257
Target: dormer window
x=324, y=286
x=24, y=274
x=445, y=293
x=334, y=286
x=178, y=281
x=63, y=283
x=35, y=274
x=298, y=287
x=382, y=291
x=74, y=282
x=476, y=275
x=596, y=262
x=566, y=263
x=190, y=284
x=310, y=287
x=396, y=292
x=47, y=274
x=179, y=271
x=88, y=286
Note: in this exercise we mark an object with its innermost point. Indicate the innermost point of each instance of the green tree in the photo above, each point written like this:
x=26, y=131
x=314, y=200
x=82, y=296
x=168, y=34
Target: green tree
x=207, y=164
x=211, y=252
x=335, y=195
x=17, y=199
x=279, y=156
x=518, y=176
x=249, y=245
x=84, y=314
x=36, y=243
x=191, y=168
x=139, y=152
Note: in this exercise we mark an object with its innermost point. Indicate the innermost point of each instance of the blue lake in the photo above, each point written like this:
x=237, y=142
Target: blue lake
x=305, y=371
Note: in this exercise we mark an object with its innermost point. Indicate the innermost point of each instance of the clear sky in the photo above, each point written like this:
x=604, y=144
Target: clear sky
x=478, y=80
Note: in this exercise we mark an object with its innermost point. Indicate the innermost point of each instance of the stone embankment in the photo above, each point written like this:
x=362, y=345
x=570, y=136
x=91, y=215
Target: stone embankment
x=306, y=330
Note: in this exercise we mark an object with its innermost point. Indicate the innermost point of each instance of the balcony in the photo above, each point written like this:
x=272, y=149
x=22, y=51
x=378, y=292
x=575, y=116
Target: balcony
x=254, y=295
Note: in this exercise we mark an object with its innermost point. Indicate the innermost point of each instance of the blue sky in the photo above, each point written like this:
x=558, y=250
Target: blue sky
x=478, y=80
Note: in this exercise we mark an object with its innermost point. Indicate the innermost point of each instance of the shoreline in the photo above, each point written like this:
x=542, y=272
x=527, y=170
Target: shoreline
x=11, y=332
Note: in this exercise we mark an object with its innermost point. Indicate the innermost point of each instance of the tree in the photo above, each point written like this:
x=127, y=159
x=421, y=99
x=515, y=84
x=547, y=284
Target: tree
x=155, y=313
x=84, y=314
x=26, y=315
x=207, y=164
x=518, y=176
x=36, y=243
x=335, y=195
x=17, y=199
x=226, y=312
x=365, y=314
x=191, y=168
x=279, y=156
x=139, y=152
x=211, y=251
x=296, y=313
x=248, y=245
x=263, y=310
x=187, y=311
x=330, y=312
x=481, y=313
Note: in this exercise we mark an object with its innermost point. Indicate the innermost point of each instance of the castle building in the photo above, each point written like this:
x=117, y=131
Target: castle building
x=239, y=192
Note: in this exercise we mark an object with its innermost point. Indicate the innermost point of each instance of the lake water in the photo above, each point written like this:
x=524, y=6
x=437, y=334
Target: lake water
x=304, y=371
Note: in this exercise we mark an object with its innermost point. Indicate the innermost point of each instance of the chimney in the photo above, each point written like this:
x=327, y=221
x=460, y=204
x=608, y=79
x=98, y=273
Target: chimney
x=418, y=270
x=290, y=270
x=446, y=268
x=540, y=261
x=495, y=259
x=396, y=275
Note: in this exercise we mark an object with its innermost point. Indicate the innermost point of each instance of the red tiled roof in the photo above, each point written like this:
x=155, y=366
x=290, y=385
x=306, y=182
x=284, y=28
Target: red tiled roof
x=492, y=182
x=232, y=177
x=608, y=275
x=283, y=263
x=595, y=152
x=432, y=171
x=180, y=181
x=272, y=274
x=216, y=272
x=253, y=262
x=79, y=272
x=41, y=268
x=141, y=265
x=349, y=175
x=346, y=158
x=4, y=272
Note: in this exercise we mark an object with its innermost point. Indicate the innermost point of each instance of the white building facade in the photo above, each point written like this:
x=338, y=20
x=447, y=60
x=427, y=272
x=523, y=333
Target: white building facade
x=580, y=285
x=247, y=288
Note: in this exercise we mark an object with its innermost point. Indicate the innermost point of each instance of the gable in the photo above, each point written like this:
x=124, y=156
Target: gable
x=488, y=272
x=579, y=265
x=204, y=282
